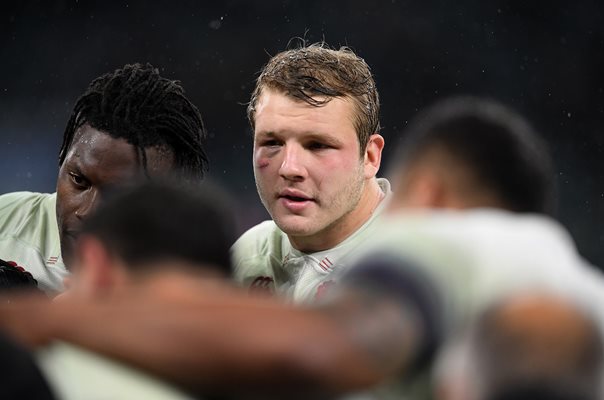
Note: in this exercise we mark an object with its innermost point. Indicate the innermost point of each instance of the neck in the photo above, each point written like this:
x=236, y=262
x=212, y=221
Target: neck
x=342, y=228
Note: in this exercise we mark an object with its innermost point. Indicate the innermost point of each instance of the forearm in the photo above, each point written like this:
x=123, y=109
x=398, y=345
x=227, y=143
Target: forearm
x=253, y=349
x=218, y=344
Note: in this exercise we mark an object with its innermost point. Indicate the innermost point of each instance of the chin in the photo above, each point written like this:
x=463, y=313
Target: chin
x=290, y=226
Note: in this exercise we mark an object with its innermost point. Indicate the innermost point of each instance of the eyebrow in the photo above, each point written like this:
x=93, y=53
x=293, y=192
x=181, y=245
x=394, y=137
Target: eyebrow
x=74, y=166
x=265, y=134
x=305, y=136
x=325, y=138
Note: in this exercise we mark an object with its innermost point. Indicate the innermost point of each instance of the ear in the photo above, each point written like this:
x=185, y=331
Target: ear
x=95, y=272
x=373, y=155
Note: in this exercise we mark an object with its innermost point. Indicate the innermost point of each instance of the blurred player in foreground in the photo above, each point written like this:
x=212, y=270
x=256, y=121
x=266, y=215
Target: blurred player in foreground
x=141, y=230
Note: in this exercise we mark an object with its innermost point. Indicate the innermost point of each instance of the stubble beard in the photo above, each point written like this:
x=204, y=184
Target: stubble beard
x=348, y=200
x=336, y=208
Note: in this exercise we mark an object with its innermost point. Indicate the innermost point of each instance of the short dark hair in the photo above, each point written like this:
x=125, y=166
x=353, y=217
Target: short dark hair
x=317, y=70
x=499, y=147
x=136, y=104
x=155, y=221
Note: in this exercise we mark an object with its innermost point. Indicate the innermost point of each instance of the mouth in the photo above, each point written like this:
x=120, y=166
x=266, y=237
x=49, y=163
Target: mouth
x=294, y=195
x=294, y=201
x=294, y=198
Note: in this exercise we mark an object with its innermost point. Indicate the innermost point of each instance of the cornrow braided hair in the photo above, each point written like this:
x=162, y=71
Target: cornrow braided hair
x=136, y=104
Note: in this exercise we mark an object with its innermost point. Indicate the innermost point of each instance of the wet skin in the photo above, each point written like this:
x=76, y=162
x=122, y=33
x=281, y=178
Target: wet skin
x=94, y=162
x=309, y=171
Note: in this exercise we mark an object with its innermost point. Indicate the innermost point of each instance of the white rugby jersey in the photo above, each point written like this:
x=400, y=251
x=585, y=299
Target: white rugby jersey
x=29, y=236
x=265, y=260
x=476, y=255
x=466, y=261
x=74, y=373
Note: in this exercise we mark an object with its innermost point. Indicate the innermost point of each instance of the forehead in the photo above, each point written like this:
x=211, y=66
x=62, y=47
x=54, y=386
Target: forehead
x=96, y=153
x=276, y=112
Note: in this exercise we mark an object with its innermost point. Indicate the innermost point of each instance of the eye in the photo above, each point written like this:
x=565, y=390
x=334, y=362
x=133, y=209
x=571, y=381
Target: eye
x=318, y=146
x=79, y=181
x=269, y=143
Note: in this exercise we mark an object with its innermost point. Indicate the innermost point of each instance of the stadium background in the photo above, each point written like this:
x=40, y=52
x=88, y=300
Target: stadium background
x=543, y=58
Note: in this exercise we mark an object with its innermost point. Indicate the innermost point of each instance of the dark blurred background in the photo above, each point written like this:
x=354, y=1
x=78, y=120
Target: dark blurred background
x=543, y=58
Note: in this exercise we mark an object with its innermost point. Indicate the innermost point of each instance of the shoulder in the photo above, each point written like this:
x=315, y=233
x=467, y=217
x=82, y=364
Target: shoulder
x=256, y=249
x=519, y=239
x=120, y=381
x=17, y=208
x=26, y=199
x=258, y=240
x=29, y=236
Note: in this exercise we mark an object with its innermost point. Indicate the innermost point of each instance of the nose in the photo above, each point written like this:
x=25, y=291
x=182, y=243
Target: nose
x=89, y=202
x=292, y=166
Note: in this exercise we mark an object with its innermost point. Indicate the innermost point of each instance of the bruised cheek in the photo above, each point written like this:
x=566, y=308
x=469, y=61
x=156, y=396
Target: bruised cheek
x=261, y=160
x=262, y=163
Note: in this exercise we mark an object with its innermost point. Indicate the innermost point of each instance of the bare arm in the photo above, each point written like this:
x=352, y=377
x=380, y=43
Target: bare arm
x=213, y=338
